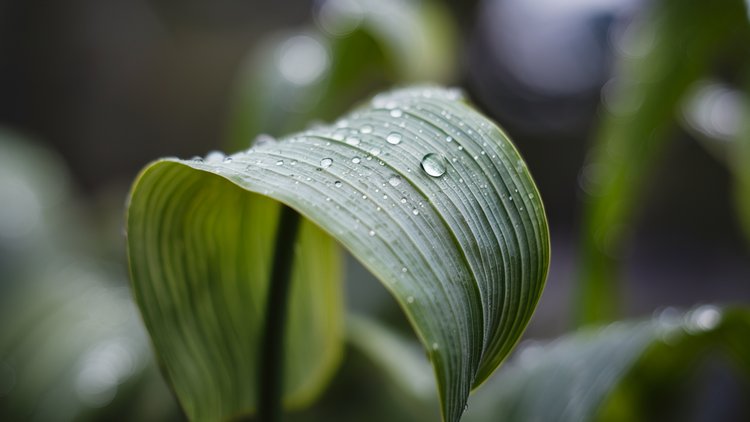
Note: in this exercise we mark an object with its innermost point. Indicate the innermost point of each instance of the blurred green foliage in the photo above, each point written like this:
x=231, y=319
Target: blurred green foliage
x=72, y=348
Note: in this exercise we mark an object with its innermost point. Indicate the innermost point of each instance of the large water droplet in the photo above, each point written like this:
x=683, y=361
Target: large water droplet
x=433, y=164
x=326, y=162
x=214, y=156
x=337, y=184
x=394, y=180
x=393, y=138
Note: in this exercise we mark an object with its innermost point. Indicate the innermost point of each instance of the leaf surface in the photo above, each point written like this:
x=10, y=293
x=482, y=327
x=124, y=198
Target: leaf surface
x=429, y=195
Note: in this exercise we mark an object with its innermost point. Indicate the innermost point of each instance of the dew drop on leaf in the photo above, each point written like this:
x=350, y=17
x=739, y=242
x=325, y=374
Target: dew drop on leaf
x=396, y=113
x=394, y=180
x=356, y=160
x=393, y=138
x=433, y=164
x=337, y=183
x=263, y=139
x=352, y=140
x=366, y=129
x=326, y=162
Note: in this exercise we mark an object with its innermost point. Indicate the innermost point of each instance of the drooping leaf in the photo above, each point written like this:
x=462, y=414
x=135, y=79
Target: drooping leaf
x=672, y=48
x=360, y=46
x=429, y=195
x=580, y=377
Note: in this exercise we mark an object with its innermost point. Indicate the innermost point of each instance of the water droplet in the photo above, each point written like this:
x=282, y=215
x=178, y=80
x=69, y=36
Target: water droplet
x=263, y=139
x=326, y=162
x=294, y=162
x=403, y=200
x=449, y=138
x=394, y=180
x=410, y=299
x=197, y=159
x=280, y=163
x=433, y=165
x=352, y=140
x=366, y=129
x=435, y=346
x=396, y=113
x=214, y=156
x=393, y=138
x=404, y=269
x=371, y=233
x=415, y=211
x=227, y=159
x=375, y=152
x=356, y=160
x=337, y=183
x=531, y=196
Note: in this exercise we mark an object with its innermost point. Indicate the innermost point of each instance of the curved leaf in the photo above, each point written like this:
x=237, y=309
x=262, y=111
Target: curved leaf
x=429, y=195
x=578, y=377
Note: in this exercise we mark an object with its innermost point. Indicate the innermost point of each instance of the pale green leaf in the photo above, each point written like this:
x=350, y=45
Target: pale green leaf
x=429, y=195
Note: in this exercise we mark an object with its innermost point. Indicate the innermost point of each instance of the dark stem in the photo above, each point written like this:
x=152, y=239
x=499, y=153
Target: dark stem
x=271, y=364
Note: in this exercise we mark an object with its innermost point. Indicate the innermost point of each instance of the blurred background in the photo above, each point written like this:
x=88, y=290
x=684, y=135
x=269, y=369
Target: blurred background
x=92, y=90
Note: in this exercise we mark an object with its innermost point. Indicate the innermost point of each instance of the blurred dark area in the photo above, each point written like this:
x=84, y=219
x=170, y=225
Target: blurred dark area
x=105, y=86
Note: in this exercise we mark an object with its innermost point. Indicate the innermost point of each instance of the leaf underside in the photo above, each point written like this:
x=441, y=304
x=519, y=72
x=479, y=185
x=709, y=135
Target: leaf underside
x=459, y=238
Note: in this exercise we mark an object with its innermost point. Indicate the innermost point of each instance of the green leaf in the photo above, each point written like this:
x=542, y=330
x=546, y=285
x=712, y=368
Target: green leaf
x=429, y=195
x=671, y=48
x=587, y=375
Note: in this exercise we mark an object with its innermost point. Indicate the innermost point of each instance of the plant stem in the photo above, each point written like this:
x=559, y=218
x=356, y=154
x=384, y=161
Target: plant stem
x=271, y=364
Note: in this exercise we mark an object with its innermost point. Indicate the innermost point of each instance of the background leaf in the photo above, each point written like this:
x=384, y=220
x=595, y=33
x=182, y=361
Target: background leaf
x=674, y=45
x=362, y=45
x=598, y=373
x=425, y=192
